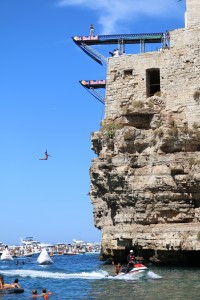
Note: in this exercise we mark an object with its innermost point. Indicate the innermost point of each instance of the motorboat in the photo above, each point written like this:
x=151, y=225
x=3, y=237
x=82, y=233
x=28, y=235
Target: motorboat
x=138, y=271
x=6, y=255
x=78, y=242
x=29, y=241
x=44, y=258
x=81, y=251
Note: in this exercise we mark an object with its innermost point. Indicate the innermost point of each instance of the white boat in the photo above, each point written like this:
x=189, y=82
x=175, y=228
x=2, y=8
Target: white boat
x=78, y=242
x=6, y=255
x=138, y=271
x=81, y=251
x=44, y=258
x=29, y=241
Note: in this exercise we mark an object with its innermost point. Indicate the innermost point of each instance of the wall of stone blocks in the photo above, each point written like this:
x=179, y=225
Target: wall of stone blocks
x=179, y=76
x=193, y=12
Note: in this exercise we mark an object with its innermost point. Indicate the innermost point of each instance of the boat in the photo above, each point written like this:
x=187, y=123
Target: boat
x=12, y=291
x=81, y=251
x=69, y=252
x=138, y=271
x=44, y=258
x=6, y=255
x=78, y=242
x=29, y=241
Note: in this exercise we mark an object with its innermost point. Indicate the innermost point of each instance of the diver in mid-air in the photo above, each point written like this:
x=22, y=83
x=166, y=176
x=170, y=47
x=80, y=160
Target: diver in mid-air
x=46, y=156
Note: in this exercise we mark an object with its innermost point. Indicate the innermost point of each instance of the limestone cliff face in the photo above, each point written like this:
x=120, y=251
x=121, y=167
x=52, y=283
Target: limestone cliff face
x=145, y=181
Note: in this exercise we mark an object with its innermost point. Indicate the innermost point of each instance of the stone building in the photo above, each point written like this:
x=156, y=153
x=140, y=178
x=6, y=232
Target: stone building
x=145, y=181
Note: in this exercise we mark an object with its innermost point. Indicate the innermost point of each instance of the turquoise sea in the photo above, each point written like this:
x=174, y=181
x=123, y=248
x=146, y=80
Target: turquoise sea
x=83, y=277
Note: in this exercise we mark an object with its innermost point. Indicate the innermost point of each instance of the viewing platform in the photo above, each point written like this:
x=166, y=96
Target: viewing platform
x=85, y=42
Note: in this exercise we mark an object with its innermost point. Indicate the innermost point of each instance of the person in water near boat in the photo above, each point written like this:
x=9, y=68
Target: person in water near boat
x=118, y=268
x=130, y=261
x=1, y=282
x=15, y=284
x=46, y=294
x=19, y=263
x=4, y=285
x=34, y=294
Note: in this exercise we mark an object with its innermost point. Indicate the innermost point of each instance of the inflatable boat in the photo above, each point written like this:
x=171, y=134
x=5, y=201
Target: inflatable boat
x=44, y=258
x=11, y=291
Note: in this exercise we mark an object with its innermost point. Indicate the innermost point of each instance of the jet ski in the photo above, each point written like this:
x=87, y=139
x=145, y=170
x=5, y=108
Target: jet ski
x=138, y=271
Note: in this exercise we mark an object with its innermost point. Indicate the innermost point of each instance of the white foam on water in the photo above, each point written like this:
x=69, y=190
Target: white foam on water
x=148, y=275
x=100, y=274
x=55, y=275
x=153, y=275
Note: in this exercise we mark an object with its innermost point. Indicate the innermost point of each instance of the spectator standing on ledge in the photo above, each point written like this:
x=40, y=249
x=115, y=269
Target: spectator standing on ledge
x=91, y=30
x=167, y=38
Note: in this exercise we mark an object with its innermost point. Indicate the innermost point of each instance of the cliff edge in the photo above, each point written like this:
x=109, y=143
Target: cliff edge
x=145, y=181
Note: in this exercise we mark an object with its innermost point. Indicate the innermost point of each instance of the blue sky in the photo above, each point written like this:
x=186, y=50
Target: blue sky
x=43, y=106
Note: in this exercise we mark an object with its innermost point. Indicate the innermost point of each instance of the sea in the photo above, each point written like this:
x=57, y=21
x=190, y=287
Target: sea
x=84, y=276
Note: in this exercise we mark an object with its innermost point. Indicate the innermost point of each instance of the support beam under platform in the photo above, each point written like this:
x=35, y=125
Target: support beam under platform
x=92, y=85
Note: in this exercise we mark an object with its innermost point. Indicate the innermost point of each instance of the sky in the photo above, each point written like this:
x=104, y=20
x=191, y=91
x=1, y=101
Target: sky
x=43, y=106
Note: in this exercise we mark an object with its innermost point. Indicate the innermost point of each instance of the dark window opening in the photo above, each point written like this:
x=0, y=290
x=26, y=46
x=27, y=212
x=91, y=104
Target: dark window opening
x=128, y=72
x=153, y=81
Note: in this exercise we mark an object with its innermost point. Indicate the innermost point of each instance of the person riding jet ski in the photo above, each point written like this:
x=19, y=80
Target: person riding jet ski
x=130, y=261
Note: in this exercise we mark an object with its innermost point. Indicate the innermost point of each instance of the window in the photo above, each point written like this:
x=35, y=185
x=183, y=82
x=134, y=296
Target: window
x=128, y=72
x=153, y=81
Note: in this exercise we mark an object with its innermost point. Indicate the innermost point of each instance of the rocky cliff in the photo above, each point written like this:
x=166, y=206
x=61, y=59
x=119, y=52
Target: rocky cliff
x=145, y=181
